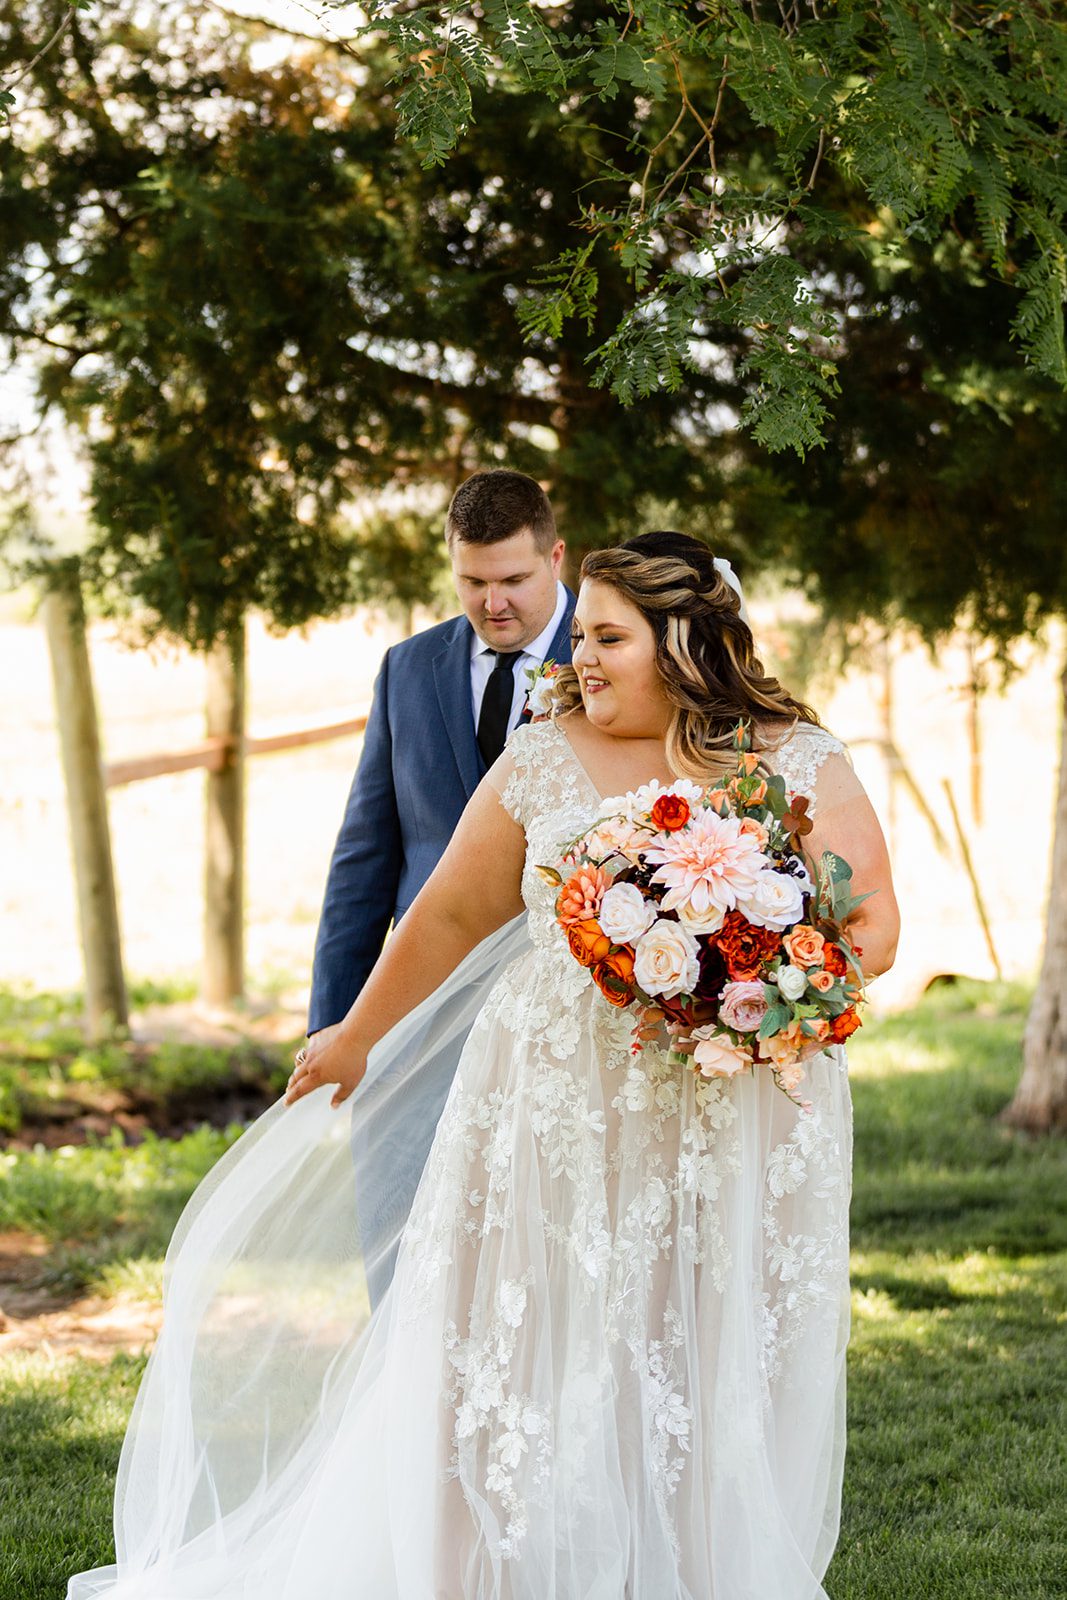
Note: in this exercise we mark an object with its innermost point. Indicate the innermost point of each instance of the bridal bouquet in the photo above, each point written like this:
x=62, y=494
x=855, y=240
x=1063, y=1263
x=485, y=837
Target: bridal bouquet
x=705, y=907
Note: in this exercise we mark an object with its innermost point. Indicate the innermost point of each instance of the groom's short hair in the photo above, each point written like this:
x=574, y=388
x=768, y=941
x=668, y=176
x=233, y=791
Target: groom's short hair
x=495, y=504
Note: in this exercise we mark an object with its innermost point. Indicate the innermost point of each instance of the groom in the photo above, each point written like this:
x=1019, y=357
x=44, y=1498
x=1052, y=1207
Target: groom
x=444, y=702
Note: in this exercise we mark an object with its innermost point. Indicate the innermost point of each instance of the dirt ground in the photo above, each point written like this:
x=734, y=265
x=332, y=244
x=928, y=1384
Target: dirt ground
x=151, y=701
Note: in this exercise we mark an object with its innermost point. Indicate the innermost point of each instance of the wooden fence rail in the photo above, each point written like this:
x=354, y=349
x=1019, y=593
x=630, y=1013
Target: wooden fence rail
x=213, y=754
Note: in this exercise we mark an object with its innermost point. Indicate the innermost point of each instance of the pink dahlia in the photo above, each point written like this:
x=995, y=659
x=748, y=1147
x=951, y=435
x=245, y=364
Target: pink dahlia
x=708, y=867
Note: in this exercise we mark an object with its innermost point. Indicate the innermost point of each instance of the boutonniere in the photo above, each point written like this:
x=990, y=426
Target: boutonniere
x=539, y=688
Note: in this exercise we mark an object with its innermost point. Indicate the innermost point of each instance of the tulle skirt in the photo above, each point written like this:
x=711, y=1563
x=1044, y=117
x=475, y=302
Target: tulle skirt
x=526, y=1318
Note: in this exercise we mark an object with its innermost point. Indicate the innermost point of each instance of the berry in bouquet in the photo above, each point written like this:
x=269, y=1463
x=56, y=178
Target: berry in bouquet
x=703, y=906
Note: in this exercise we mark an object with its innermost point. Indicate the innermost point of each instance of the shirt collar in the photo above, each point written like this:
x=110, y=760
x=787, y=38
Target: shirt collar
x=538, y=648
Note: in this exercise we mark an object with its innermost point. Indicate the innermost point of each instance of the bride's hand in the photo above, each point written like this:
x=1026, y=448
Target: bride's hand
x=328, y=1057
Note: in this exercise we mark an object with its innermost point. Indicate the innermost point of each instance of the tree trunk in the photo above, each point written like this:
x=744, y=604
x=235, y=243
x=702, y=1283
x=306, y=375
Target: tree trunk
x=79, y=734
x=224, y=825
x=1040, y=1103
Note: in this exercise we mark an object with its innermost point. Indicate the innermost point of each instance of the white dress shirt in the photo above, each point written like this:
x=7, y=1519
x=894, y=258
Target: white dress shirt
x=532, y=655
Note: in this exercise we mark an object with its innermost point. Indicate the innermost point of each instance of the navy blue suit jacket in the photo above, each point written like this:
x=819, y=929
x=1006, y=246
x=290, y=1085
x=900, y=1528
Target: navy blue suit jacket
x=419, y=766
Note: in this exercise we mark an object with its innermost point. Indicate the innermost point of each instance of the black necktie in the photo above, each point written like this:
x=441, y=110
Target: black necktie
x=496, y=705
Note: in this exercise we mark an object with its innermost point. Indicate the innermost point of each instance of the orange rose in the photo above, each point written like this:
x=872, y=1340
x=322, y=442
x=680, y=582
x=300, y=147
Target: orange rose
x=805, y=946
x=614, y=977
x=834, y=960
x=758, y=794
x=670, y=812
x=747, y=763
x=842, y=1027
x=821, y=980
x=588, y=942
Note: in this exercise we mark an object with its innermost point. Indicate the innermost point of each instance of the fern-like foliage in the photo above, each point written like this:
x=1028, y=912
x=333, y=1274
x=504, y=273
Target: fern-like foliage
x=750, y=128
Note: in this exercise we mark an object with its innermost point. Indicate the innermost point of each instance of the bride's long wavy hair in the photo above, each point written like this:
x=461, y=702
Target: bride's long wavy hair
x=705, y=652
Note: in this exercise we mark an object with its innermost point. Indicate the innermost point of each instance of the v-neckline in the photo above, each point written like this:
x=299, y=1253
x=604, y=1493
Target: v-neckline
x=584, y=770
x=578, y=762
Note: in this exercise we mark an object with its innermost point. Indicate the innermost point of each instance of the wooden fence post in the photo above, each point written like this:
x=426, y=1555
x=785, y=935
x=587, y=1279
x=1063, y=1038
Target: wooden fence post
x=79, y=735
x=224, y=824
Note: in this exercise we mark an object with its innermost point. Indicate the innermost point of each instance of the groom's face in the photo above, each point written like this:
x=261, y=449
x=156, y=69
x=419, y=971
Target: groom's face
x=507, y=589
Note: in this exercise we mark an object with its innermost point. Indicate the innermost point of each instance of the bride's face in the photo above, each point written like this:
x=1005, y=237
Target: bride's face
x=614, y=655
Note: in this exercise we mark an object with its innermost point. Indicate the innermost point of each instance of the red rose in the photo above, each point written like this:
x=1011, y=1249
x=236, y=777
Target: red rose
x=670, y=812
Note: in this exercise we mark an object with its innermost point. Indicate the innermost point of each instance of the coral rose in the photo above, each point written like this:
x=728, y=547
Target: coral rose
x=805, y=946
x=844, y=1026
x=670, y=812
x=581, y=895
x=614, y=977
x=821, y=980
x=588, y=942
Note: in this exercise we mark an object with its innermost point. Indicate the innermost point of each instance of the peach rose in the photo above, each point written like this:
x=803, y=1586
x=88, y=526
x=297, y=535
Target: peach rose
x=821, y=980
x=782, y=1049
x=791, y=1076
x=805, y=946
x=817, y=1028
x=751, y=826
x=716, y=1055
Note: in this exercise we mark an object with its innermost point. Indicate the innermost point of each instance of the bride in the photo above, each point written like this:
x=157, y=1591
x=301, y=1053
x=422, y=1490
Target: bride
x=490, y=1307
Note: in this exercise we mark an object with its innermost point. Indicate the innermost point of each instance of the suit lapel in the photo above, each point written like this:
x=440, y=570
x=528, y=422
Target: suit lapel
x=559, y=650
x=452, y=680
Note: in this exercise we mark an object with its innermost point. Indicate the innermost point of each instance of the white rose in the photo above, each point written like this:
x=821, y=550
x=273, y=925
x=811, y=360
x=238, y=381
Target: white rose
x=776, y=901
x=639, y=802
x=709, y=921
x=667, y=960
x=792, y=981
x=625, y=914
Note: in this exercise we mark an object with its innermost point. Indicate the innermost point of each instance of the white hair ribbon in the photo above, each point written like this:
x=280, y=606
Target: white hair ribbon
x=726, y=571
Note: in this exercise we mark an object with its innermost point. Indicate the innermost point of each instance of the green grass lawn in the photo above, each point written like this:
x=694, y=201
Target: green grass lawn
x=958, y=1365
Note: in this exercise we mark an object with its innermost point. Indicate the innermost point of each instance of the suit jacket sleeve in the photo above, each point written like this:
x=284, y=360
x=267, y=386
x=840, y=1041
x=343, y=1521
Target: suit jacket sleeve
x=364, y=874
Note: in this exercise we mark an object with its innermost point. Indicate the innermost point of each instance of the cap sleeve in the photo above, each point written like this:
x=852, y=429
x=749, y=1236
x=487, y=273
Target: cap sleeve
x=815, y=763
x=509, y=774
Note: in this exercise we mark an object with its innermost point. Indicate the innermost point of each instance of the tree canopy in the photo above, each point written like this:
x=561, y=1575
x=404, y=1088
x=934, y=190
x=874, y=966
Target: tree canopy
x=745, y=123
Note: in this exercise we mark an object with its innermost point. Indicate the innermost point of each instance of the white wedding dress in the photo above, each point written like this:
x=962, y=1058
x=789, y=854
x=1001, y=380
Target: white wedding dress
x=610, y=1362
